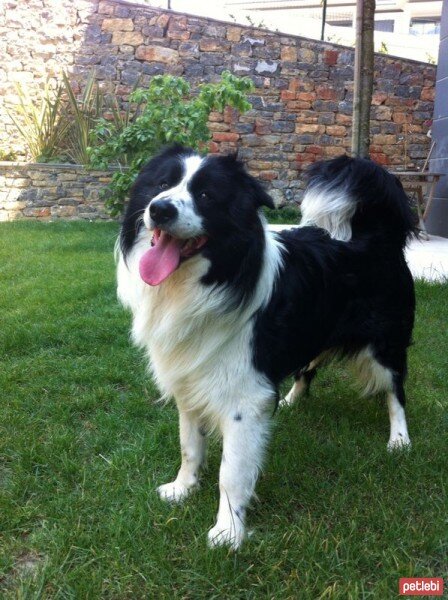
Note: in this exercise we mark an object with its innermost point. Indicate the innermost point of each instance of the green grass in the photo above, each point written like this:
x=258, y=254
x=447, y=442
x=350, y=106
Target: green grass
x=286, y=215
x=83, y=447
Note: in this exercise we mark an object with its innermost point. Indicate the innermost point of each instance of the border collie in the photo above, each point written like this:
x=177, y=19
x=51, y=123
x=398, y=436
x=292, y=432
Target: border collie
x=226, y=309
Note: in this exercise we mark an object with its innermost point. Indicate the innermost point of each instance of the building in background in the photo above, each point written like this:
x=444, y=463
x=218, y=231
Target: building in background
x=438, y=217
x=407, y=28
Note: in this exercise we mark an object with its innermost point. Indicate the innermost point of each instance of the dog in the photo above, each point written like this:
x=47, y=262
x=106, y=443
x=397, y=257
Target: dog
x=227, y=309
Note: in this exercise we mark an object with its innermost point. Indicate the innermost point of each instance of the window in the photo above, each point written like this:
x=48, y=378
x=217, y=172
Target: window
x=386, y=25
x=430, y=26
x=347, y=23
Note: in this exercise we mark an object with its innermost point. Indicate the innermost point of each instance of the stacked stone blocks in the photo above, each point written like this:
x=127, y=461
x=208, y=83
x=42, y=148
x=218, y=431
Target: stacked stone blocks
x=53, y=192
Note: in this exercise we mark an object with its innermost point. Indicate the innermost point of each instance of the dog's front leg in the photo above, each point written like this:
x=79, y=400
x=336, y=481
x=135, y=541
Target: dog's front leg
x=192, y=444
x=244, y=441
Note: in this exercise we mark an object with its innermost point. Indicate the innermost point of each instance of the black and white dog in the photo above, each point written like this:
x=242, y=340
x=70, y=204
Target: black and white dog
x=226, y=309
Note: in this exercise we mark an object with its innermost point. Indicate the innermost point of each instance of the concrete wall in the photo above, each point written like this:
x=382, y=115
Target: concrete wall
x=438, y=217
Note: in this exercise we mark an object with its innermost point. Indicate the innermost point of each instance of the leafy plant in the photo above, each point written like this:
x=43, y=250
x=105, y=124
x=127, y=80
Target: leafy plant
x=169, y=112
x=41, y=126
x=120, y=118
x=61, y=127
x=7, y=155
x=81, y=116
x=115, y=119
x=252, y=23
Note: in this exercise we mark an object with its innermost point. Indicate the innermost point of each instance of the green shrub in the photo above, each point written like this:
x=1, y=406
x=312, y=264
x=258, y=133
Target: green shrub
x=40, y=123
x=8, y=154
x=65, y=127
x=169, y=111
x=59, y=126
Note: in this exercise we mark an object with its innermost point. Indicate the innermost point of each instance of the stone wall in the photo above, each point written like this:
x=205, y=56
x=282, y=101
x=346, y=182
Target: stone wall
x=47, y=192
x=303, y=100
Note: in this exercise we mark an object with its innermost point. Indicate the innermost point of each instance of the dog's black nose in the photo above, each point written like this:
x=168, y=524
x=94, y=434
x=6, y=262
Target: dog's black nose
x=162, y=211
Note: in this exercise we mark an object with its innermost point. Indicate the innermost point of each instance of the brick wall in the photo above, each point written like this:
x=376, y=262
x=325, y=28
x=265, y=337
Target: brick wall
x=303, y=100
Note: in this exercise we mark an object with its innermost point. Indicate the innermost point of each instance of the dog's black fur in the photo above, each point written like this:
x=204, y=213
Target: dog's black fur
x=331, y=295
x=270, y=304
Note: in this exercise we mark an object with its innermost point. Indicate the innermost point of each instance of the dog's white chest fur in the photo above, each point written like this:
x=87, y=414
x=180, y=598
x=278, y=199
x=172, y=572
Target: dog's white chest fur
x=199, y=353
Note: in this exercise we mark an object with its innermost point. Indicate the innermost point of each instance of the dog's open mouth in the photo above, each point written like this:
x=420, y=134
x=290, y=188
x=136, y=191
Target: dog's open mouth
x=166, y=254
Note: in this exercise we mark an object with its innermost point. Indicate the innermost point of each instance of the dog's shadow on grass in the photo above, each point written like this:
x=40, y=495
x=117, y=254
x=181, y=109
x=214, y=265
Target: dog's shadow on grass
x=320, y=437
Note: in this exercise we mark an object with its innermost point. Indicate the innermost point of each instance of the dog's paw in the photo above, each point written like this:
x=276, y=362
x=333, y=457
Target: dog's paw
x=399, y=442
x=173, y=491
x=288, y=400
x=298, y=389
x=225, y=535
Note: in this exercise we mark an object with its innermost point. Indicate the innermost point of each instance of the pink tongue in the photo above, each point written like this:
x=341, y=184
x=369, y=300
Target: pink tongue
x=161, y=260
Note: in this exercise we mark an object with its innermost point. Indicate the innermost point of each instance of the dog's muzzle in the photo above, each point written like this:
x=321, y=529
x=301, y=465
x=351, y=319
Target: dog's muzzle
x=162, y=212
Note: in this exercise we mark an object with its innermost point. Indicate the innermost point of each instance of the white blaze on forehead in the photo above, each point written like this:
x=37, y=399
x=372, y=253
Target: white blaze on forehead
x=191, y=165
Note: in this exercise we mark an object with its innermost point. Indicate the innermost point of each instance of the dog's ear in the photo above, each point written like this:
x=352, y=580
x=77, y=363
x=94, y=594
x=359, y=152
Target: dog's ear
x=261, y=197
x=256, y=190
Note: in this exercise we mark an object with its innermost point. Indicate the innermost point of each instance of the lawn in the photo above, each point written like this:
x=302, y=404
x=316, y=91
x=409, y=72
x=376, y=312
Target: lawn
x=83, y=447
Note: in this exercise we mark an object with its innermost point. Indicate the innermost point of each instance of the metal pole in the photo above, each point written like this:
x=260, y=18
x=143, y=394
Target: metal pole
x=324, y=17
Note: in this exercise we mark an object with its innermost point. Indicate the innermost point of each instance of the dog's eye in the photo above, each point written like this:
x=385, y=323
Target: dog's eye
x=204, y=196
x=163, y=185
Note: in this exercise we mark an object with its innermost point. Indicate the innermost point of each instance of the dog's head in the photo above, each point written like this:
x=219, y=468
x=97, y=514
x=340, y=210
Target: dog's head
x=189, y=203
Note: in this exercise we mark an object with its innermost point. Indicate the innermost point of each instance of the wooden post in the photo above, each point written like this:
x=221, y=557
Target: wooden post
x=363, y=77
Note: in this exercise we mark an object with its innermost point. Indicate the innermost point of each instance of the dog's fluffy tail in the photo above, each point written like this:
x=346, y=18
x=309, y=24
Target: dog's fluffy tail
x=353, y=198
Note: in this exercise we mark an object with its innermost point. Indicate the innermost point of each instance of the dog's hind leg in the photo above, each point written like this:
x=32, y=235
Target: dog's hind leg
x=301, y=386
x=381, y=373
x=396, y=400
x=193, y=445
